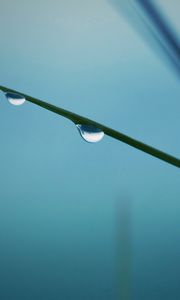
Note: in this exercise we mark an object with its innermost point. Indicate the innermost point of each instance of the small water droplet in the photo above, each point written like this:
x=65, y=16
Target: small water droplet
x=90, y=133
x=15, y=99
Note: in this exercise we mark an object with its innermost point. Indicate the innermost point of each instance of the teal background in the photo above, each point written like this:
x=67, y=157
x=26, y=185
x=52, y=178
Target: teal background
x=61, y=198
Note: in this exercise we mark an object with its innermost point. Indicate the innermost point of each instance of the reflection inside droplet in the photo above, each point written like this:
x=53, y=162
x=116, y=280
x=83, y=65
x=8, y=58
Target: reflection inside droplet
x=15, y=99
x=90, y=133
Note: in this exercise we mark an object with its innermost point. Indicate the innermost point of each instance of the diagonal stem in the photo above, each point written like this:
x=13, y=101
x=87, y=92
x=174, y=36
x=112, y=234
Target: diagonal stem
x=77, y=119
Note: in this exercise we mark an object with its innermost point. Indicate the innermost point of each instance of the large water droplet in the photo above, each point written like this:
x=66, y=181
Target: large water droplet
x=90, y=133
x=15, y=99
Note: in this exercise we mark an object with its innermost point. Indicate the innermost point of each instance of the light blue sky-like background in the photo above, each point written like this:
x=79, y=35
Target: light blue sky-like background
x=59, y=196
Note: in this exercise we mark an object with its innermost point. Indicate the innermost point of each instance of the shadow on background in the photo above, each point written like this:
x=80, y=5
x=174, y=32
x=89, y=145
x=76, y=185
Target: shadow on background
x=123, y=219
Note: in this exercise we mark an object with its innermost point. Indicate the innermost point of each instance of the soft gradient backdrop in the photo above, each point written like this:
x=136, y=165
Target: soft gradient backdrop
x=61, y=199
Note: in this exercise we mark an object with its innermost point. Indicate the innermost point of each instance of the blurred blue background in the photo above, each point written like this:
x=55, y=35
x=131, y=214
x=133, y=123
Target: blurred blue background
x=61, y=199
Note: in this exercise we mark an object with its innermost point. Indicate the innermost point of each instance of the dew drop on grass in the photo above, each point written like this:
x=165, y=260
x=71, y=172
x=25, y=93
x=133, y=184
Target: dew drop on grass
x=15, y=99
x=90, y=133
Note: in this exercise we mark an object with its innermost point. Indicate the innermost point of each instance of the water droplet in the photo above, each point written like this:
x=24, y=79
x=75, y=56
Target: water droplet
x=15, y=99
x=90, y=133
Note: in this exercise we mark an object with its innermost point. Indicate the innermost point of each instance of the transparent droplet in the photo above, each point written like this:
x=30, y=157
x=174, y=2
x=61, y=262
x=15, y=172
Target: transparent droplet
x=15, y=99
x=90, y=133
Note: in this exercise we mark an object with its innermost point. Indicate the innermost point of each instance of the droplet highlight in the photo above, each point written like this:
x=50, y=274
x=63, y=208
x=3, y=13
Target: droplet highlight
x=90, y=133
x=15, y=99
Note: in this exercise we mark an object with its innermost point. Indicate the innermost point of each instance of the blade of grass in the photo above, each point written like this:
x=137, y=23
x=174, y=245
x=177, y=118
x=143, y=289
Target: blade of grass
x=162, y=27
x=147, y=19
x=77, y=119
